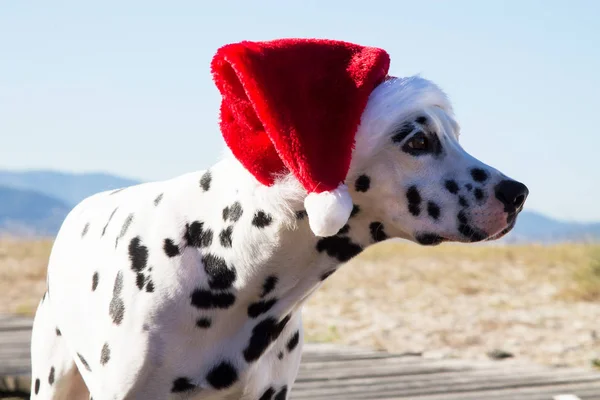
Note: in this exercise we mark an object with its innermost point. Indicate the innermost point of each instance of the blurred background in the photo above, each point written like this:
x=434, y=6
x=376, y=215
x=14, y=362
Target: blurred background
x=101, y=95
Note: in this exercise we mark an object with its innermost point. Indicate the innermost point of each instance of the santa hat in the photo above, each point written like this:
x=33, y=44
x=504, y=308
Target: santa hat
x=294, y=105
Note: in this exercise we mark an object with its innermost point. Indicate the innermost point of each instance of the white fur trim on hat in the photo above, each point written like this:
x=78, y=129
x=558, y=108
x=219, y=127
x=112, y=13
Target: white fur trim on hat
x=328, y=211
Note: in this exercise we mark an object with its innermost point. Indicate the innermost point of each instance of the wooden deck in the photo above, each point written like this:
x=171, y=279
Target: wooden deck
x=330, y=372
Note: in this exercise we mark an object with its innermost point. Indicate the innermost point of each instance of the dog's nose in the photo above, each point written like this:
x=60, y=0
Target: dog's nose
x=512, y=194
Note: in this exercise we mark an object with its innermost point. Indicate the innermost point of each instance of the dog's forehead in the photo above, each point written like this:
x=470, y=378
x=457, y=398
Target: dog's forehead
x=395, y=101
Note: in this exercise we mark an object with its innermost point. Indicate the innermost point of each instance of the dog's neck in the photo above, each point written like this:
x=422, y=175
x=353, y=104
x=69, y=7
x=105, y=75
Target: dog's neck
x=286, y=248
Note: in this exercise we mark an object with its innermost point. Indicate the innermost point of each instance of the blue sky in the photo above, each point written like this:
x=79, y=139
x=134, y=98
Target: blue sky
x=125, y=87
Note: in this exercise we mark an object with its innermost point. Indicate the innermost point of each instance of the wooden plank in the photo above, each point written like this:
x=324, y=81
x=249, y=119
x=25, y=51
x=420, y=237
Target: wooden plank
x=10, y=322
x=584, y=391
x=334, y=372
x=415, y=388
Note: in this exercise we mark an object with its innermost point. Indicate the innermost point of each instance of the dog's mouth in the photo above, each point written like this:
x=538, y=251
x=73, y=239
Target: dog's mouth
x=468, y=232
x=512, y=220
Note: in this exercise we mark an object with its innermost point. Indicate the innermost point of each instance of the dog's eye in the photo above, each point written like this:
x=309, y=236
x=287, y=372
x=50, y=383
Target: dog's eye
x=418, y=142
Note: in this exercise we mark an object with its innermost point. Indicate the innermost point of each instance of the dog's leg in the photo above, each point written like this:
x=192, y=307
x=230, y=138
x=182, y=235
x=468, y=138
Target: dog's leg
x=276, y=372
x=54, y=373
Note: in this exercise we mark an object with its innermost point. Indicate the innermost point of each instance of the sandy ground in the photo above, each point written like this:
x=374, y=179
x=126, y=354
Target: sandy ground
x=463, y=303
x=530, y=302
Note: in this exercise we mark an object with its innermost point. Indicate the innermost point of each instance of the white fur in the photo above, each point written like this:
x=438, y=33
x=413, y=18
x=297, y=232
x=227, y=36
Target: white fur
x=160, y=337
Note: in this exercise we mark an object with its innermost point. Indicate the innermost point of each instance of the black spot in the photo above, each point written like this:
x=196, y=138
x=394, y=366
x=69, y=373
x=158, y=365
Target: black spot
x=149, y=286
x=51, y=376
x=462, y=217
x=222, y=375
x=263, y=334
x=301, y=214
x=451, y=186
x=479, y=175
x=428, y=239
x=377, y=232
x=268, y=394
x=58, y=332
x=363, y=183
x=260, y=307
x=117, y=307
x=261, y=219
x=421, y=120
x=340, y=247
x=280, y=355
x=182, y=385
x=86, y=228
x=104, y=354
x=414, y=200
x=471, y=233
x=140, y=280
x=203, y=323
x=233, y=213
x=327, y=274
x=95, y=278
x=463, y=202
x=225, y=237
x=469, y=187
x=205, y=181
x=355, y=210
x=478, y=193
x=345, y=229
x=403, y=132
x=413, y=196
x=84, y=362
x=170, y=248
x=37, y=386
x=205, y=299
x=124, y=228
x=293, y=341
x=116, y=191
x=269, y=285
x=197, y=236
x=280, y=326
x=433, y=210
x=109, y=219
x=138, y=254
x=220, y=275
x=158, y=199
x=282, y=394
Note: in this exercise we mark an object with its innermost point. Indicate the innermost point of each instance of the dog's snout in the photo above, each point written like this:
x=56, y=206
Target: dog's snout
x=512, y=194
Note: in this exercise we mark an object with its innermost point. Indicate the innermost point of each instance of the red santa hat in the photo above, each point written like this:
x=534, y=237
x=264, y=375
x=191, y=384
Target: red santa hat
x=294, y=105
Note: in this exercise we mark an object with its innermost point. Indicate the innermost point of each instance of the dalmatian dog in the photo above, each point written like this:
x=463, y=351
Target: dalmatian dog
x=192, y=288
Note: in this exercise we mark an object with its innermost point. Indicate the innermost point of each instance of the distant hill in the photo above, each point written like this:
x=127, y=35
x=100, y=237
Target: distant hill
x=67, y=187
x=533, y=226
x=24, y=212
x=37, y=202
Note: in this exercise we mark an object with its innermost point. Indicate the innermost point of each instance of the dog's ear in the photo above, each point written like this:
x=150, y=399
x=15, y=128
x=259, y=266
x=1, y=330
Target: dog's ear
x=293, y=106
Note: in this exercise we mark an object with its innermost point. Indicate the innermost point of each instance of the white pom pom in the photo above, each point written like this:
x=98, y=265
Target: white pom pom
x=328, y=212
